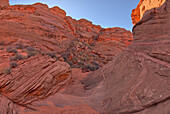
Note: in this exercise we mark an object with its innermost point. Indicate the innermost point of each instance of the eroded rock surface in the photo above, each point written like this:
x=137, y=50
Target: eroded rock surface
x=135, y=81
x=138, y=79
x=143, y=6
x=33, y=79
x=50, y=30
x=35, y=41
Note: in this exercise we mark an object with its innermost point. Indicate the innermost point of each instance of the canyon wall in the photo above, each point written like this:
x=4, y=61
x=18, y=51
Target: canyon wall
x=44, y=54
x=137, y=80
x=143, y=6
x=49, y=30
x=42, y=51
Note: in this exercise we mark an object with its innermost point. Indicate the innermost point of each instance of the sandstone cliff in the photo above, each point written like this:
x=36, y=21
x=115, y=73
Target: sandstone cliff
x=143, y=6
x=40, y=49
x=137, y=80
x=49, y=30
x=34, y=79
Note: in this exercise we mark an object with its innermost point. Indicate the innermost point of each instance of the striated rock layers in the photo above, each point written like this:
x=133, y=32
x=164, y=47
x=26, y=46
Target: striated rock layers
x=33, y=79
x=138, y=79
x=38, y=47
x=50, y=30
x=144, y=5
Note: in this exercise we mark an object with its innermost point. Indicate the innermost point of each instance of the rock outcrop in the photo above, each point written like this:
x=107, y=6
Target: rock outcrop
x=4, y=3
x=33, y=79
x=38, y=47
x=143, y=6
x=50, y=30
x=138, y=79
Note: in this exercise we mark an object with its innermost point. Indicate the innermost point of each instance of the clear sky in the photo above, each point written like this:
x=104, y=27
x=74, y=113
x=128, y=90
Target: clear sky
x=107, y=13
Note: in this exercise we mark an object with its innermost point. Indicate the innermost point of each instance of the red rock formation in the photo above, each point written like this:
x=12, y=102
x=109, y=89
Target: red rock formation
x=4, y=3
x=143, y=6
x=110, y=38
x=33, y=79
x=49, y=29
x=59, y=12
x=137, y=80
x=34, y=40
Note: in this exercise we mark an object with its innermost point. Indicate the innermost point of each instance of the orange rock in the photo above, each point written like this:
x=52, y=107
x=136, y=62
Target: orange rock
x=57, y=11
x=144, y=5
x=49, y=29
x=4, y=3
x=43, y=81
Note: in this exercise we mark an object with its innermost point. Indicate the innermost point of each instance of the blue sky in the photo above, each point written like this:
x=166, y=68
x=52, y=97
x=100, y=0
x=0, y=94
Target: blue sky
x=107, y=13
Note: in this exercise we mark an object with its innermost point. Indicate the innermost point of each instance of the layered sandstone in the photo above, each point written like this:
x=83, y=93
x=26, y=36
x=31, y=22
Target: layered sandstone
x=137, y=80
x=143, y=6
x=33, y=79
x=50, y=30
x=35, y=41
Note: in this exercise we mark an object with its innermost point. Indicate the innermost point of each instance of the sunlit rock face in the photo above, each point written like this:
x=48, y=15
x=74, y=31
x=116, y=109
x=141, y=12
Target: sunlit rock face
x=4, y=3
x=144, y=5
x=81, y=43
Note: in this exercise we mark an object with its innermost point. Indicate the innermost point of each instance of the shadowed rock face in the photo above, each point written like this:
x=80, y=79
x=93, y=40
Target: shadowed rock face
x=143, y=6
x=138, y=79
